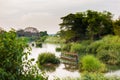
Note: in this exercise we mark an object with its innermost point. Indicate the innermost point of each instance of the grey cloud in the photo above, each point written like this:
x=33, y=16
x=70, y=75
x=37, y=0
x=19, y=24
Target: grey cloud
x=45, y=14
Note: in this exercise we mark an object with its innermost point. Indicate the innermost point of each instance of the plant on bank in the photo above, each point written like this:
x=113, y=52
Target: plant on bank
x=66, y=47
x=91, y=64
x=78, y=48
x=11, y=59
x=106, y=49
x=47, y=57
x=58, y=49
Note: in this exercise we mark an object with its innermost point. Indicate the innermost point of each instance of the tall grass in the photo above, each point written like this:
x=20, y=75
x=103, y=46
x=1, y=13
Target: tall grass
x=91, y=64
x=106, y=49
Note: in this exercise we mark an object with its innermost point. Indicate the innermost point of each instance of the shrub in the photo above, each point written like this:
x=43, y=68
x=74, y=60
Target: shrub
x=91, y=64
x=13, y=59
x=78, y=48
x=47, y=57
x=58, y=49
x=38, y=44
x=66, y=47
x=106, y=49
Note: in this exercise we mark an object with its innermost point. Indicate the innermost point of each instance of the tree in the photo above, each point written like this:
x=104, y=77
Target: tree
x=99, y=24
x=43, y=33
x=117, y=27
x=11, y=53
x=86, y=25
x=13, y=59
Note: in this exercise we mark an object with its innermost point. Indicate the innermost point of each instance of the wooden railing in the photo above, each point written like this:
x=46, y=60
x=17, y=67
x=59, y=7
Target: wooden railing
x=70, y=58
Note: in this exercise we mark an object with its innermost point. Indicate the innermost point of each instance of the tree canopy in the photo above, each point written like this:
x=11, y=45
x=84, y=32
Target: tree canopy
x=86, y=25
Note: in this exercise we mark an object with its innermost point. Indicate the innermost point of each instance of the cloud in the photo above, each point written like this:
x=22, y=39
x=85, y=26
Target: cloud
x=45, y=14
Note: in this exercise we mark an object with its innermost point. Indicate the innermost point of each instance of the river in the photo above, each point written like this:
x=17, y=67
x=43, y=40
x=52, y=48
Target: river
x=61, y=70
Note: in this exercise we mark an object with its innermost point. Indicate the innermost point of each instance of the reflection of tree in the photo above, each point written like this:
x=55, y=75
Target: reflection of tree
x=48, y=67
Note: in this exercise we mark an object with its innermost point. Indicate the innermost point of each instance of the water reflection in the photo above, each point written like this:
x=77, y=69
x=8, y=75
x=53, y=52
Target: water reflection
x=71, y=67
x=61, y=70
x=48, y=67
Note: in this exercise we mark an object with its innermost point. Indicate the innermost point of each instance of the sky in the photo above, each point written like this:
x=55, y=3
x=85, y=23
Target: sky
x=45, y=14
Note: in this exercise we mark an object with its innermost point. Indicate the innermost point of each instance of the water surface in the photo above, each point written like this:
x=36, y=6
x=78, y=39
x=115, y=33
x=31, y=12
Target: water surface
x=60, y=71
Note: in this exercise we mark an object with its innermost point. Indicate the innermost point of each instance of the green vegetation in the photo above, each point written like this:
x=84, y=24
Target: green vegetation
x=116, y=27
x=91, y=34
x=66, y=47
x=43, y=36
x=47, y=62
x=78, y=48
x=54, y=39
x=58, y=49
x=91, y=64
x=25, y=39
x=47, y=57
x=38, y=44
x=90, y=25
x=107, y=49
x=13, y=59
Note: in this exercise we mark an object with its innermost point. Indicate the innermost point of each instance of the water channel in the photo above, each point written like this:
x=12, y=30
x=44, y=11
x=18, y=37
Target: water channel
x=60, y=70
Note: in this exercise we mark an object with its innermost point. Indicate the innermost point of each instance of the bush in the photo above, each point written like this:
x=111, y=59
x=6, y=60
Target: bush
x=78, y=48
x=91, y=64
x=13, y=59
x=47, y=57
x=58, y=49
x=38, y=44
x=66, y=47
x=107, y=49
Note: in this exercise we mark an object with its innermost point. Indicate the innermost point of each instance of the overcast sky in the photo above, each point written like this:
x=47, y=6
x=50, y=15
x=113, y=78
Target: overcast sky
x=46, y=14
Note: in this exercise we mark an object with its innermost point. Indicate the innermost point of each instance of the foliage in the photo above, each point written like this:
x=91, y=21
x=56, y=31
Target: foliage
x=38, y=44
x=25, y=39
x=58, y=49
x=78, y=48
x=13, y=58
x=116, y=26
x=106, y=49
x=47, y=57
x=54, y=39
x=91, y=64
x=11, y=51
x=86, y=25
x=43, y=33
x=66, y=47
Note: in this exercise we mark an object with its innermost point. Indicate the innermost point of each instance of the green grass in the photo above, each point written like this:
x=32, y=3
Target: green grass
x=53, y=39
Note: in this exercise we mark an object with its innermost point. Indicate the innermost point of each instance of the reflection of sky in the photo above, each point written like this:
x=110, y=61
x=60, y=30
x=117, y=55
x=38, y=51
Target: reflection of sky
x=60, y=71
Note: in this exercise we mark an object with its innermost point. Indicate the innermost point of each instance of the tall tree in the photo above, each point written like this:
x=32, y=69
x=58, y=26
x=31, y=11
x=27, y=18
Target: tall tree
x=84, y=25
x=99, y=24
